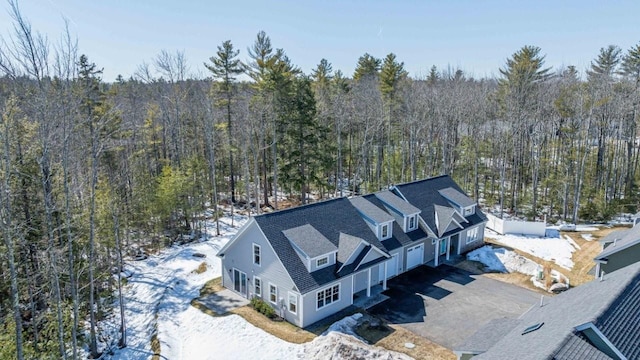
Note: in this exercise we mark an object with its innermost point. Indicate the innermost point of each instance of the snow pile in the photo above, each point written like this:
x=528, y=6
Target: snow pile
x=339, y=346
x=588, y=237
x=586, y=228
x=558, y=250
x=157, y=303
x=503, y=260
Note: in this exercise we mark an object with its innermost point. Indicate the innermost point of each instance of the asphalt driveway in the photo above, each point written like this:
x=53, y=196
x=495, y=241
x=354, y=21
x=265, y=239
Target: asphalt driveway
x=447, y=305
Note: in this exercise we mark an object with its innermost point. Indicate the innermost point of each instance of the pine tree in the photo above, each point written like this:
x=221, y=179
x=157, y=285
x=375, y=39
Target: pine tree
x=225, y=66
x=368, y=66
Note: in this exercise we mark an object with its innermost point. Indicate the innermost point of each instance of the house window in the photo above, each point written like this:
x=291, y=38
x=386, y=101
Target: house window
x=257, y=286
x=256, y=254
x=412, y=222
x=293, y=303
x=328, y=296
x=322, y=261
x=273, y=293
x=385, y=231
x=472, y=235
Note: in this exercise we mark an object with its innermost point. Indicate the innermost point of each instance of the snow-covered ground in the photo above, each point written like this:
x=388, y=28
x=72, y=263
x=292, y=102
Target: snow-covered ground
x=502, y=260
x=554, y=249
x=157, y=300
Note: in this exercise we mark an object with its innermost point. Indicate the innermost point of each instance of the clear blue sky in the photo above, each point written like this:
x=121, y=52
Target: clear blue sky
x=476, y=36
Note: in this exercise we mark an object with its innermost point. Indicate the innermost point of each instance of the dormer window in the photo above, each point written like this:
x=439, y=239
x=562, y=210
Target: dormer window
x=322, y=261
x=468, y=211
x=412, y=222
x=385, y=231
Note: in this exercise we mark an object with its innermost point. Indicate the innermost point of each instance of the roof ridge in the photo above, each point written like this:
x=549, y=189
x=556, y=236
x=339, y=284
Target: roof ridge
x=422, y=180
x=302, y=206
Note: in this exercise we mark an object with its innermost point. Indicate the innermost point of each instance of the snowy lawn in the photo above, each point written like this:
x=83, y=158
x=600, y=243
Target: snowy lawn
x=502, y=260
x=157, y=302
x=554, y=249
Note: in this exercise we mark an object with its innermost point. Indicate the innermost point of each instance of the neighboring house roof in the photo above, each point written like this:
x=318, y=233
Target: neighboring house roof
x=396, y=202
x=330, y=218
x=398, y=237
x=310, y=241
x=425, y=195
x=370, y=211
x=457, y=197
x=611, y=306
x=614, y=235
x=623, y=240
x=488, y=335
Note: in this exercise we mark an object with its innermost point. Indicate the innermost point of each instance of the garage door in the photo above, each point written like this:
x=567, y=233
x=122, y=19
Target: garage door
x=415, y=255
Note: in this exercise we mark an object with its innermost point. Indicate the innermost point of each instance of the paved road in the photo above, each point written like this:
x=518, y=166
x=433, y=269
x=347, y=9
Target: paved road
x=447, y=304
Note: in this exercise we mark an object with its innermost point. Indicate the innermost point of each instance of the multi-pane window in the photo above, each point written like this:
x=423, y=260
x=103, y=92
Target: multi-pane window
x=293, y=303
x=273, y=293
x=257, y=286
x=328, y=296
x=256, y=254
x=385, y=231
x=472, y=235
x=412, y=222
x=322, y=261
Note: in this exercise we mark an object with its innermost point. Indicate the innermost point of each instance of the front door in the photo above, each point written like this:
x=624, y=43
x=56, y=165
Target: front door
x=443, y=246
x=240, y=282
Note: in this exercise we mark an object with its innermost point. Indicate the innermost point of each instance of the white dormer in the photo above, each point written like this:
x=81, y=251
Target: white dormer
x=385, y=230
x=404, y=213
x=463, y=204
x=378, y=220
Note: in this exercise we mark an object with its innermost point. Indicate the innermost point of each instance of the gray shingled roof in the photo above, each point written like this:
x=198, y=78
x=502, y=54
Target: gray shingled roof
x=424, y=194
x=396, y=202
x=612, y=305
x=614, y=235
x=346, y=245
x=456, y=197
x=370, y=211
x=330, y=218
x=310, y=240
x=623, y=240
x=579, y=347
x=488, y=335
x=398, y=237
x=444, y=216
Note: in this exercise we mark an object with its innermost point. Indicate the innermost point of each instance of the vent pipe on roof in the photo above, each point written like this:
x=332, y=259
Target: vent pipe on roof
x=541, y=300
x=602, y=275
x=615, y=241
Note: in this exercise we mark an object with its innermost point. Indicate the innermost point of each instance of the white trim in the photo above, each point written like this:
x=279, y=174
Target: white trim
x=238, y=234
x=367, y=254
x=475, y=235
x=273, y=285
x=324, y=299
x=612, y=347
x=349, y=258
x=319, y=266
x=276, y=255
x=295, y=296
x=253, y=254
x=254, y=286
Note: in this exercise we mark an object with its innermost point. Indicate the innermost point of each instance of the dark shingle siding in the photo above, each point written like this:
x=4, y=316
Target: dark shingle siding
x=620, y=323
x=578, y=347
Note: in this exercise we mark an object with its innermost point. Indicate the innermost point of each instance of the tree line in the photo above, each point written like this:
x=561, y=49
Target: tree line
x=93, y=171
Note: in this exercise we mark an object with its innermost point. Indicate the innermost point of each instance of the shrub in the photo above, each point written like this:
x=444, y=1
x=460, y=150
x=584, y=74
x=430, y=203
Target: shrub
x=262, y=307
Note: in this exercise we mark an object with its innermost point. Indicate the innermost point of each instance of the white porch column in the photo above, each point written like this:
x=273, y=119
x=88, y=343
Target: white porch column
x=448, y=246
x=352, y=292
x=384, y=276
x=437, y=251
x=369, y=282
